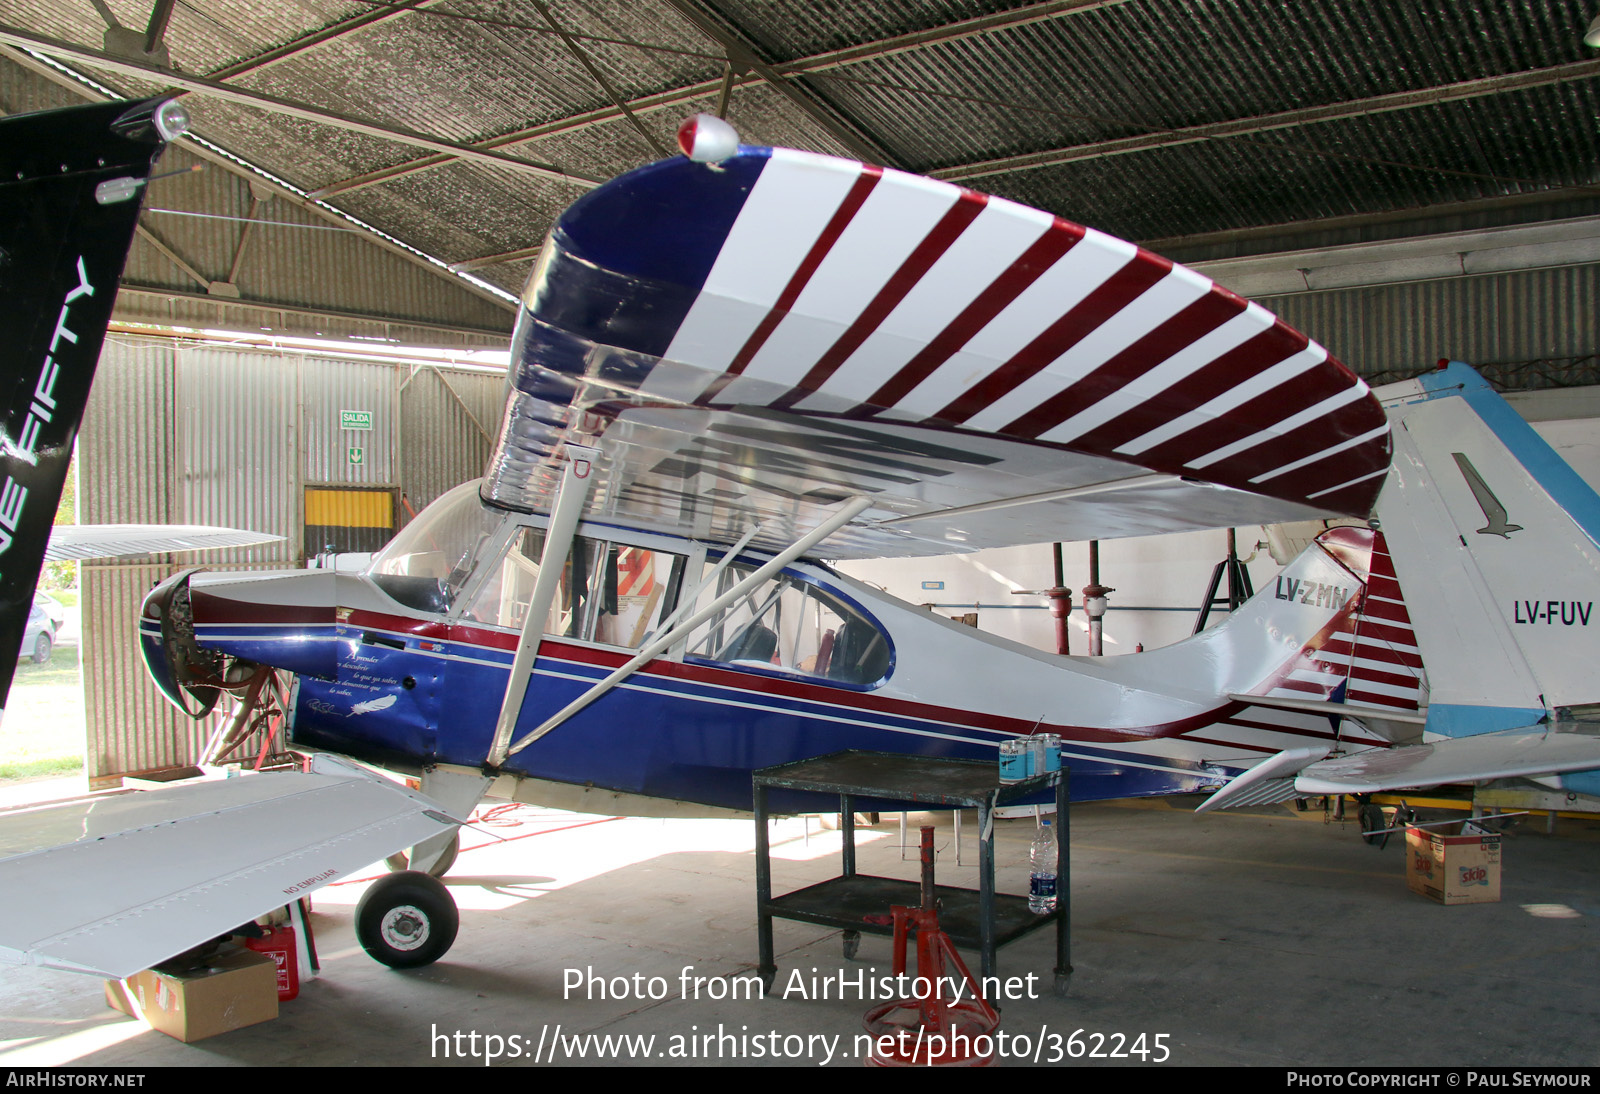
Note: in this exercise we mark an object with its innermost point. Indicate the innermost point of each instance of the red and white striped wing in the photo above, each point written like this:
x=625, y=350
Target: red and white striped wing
x=864, y=302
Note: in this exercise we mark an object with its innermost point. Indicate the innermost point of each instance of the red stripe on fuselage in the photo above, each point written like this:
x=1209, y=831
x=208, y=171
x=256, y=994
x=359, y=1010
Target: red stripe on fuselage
x=211, y=609
x=556, y=649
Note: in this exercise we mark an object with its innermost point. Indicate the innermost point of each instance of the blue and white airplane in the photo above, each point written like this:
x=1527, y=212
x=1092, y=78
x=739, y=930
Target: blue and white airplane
x=736, y=364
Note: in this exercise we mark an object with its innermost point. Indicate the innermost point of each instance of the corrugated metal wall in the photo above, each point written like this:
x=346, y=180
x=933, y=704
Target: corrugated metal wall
x=462, y=411
x=126, y=466
x=190, y=434
x=1389, y=332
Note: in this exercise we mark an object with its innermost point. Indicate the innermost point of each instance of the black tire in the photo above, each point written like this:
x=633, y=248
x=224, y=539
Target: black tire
x=41, y=648
x=1373, y=826
x=407, y=920
x=401, y=860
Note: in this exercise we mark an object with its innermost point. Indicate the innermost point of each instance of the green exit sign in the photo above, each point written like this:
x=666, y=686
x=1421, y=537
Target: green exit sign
x=355, y=419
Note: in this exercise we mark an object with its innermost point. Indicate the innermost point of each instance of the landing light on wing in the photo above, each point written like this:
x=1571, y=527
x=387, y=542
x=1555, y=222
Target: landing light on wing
x=706, y=138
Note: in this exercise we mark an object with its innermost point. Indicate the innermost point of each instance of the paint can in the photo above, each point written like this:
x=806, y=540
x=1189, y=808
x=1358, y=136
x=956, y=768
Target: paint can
x=1052, y=752
x=1015, y=755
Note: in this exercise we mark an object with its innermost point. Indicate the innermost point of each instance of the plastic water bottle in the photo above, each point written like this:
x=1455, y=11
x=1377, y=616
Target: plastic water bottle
x=1042, y=878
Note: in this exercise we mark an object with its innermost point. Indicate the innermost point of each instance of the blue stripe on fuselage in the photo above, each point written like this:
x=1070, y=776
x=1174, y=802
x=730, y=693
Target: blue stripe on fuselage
x=693, y=740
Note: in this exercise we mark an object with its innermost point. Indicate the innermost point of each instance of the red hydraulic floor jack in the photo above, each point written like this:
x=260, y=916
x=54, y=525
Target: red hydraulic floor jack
x=944, y=1022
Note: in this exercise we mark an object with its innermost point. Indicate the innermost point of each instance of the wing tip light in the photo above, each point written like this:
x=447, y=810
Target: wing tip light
x=706, y=138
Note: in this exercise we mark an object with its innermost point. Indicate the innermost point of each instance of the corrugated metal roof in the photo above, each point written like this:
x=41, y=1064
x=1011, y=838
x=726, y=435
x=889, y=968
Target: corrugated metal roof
x=1094, y=109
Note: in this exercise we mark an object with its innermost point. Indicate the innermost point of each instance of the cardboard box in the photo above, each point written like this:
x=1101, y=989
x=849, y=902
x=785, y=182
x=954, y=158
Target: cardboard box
x=237, y=988
x=1458, y=863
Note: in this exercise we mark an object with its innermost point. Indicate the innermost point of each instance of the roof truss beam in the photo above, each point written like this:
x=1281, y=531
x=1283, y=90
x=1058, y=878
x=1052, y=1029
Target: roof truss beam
x=274, y=104
x=316, y=38
x=1288, y=119
x=736, y=76
x=741, y=56
x=256, y=181
x=1240, y=127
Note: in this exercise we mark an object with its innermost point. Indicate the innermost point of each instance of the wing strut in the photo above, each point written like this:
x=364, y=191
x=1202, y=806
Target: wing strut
x=851, y=509
x=576, y=478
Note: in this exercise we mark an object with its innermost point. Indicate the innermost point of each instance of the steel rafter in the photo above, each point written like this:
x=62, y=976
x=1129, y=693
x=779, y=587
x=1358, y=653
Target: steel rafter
x=237, y=168
x=723, y=84
x=1287, y=119
x=274, y=104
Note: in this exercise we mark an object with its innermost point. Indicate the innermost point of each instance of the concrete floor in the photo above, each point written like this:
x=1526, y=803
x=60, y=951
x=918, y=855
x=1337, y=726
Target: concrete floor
x=1261, y=938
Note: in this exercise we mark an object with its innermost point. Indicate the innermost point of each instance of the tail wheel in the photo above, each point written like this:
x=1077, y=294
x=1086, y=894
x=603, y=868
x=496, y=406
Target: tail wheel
x=407, y=920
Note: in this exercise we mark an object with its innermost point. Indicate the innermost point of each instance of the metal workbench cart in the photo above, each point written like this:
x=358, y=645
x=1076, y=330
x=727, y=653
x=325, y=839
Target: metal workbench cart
x=982, y=920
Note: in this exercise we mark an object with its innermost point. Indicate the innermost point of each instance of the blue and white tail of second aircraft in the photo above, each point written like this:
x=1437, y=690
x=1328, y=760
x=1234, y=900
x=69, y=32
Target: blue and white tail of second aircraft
x=1495, y=543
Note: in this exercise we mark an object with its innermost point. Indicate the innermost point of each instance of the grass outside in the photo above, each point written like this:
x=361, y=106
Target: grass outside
x=42, y=734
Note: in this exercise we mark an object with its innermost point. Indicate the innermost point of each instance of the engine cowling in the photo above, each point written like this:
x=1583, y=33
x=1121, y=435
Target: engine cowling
x=192, y=678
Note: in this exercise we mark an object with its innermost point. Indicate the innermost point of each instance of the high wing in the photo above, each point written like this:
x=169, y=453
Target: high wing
x=758, y=339
x=172, y=868
x=85, y=541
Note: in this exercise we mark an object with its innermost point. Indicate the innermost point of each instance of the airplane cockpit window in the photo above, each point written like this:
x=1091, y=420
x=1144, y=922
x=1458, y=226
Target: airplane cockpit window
x=610, y=593
x=503, y=599
x=634, y=591
x=790, y=625
x=428, y=562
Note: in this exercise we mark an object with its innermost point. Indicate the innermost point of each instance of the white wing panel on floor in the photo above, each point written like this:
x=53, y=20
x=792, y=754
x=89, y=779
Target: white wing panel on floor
x=116, y=884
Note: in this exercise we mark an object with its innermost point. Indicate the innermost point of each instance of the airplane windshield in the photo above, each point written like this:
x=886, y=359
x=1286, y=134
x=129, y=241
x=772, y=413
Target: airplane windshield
x=428, y=562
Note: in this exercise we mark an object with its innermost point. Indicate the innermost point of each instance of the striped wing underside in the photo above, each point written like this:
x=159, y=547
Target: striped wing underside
x=759, y=339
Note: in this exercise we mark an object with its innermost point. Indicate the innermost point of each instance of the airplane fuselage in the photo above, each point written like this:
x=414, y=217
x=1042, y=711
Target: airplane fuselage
x=407, y=665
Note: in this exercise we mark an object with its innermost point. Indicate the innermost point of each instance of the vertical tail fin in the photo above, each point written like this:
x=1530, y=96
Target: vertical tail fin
x=1365, y=655
x=1497, y=542
x=70, y=186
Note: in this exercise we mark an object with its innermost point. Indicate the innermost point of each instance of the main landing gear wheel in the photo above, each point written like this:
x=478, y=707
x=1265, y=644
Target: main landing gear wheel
x=407, y=920
x=1374, y=829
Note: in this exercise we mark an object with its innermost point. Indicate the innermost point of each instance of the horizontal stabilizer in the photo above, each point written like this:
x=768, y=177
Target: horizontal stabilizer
x=1511, y=753
x=1266, y=783
x=112, y=885
x=1332, y=709
x=85, y=541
